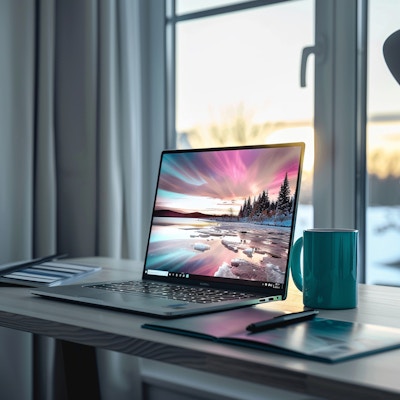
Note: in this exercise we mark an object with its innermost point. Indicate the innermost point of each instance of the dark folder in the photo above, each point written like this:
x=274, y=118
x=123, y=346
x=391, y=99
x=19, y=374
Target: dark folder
x=320, y=339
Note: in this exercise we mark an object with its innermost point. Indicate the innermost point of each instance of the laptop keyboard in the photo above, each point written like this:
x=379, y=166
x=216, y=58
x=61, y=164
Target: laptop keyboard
x=174, y=292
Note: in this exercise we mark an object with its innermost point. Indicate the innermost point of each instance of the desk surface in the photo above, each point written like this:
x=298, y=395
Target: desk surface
x=375, y=376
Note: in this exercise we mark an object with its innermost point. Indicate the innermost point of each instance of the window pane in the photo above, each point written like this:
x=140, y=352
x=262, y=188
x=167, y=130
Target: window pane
x=383, y=155
x=238, y=82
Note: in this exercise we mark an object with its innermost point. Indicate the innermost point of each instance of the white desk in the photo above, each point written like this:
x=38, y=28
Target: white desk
x=376, y=376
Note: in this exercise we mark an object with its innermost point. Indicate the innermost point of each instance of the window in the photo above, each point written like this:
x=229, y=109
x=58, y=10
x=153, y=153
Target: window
x=383, y=155
x=236, y=80
x=237, y=84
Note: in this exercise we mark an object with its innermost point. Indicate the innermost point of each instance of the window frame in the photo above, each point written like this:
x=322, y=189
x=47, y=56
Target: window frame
x=340, y=174
x=339, y=195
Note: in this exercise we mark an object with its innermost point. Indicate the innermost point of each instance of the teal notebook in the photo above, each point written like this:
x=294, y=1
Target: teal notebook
x=320, y=339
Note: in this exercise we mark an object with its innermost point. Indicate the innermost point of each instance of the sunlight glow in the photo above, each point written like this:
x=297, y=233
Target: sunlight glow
x=300, y=134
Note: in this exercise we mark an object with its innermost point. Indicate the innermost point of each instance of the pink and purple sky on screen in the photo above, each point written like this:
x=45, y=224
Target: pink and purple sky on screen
x=219, y=182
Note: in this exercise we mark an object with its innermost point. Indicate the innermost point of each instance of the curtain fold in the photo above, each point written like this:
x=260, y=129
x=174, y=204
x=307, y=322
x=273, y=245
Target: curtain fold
x=44, y=170
x=17, y=90
x=131, y=40
x=109, y=160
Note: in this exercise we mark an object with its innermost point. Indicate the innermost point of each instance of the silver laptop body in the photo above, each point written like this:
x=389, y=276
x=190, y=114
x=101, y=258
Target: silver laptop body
x=220, y=236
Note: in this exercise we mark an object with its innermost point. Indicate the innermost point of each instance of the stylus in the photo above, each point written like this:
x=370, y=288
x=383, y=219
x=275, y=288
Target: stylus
x=282, y=320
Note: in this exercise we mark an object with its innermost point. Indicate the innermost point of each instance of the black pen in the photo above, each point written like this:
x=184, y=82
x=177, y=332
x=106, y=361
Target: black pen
x=282, y=320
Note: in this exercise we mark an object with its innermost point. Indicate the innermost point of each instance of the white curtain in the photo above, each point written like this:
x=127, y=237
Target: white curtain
x=17, y=71
x=98, y=147
x=79, y=146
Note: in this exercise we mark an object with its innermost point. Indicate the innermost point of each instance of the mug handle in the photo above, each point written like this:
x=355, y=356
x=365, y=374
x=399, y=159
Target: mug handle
x=295, y=263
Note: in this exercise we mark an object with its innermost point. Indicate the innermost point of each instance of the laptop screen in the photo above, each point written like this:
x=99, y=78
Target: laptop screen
x=225, y=215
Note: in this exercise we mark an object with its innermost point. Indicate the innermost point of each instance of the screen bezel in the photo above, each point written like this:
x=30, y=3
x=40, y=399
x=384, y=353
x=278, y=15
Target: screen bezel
x=226, y=283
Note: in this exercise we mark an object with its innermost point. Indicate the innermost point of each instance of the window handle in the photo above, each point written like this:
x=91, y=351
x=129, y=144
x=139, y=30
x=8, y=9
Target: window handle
x=319, y=50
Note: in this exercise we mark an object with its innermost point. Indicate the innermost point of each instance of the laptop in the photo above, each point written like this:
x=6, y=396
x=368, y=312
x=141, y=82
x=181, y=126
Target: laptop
x=221, y=231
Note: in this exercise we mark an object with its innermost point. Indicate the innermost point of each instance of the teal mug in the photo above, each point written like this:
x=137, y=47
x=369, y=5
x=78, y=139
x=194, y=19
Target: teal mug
x=328, y=278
